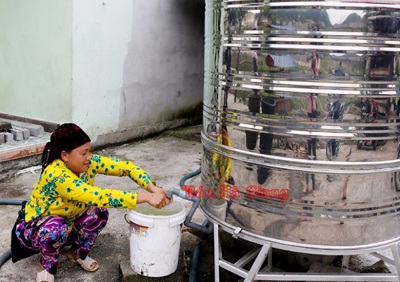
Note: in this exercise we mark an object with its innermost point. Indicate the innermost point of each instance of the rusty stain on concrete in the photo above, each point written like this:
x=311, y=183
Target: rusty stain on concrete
x=21, y=152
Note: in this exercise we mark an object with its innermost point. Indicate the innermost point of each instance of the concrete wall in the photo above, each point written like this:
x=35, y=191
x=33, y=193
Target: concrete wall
x=35, y=59
x=100, y=46
x=132, y=67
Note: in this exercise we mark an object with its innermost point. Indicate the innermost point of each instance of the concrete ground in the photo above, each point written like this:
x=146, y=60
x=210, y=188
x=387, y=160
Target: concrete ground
x=167, y=159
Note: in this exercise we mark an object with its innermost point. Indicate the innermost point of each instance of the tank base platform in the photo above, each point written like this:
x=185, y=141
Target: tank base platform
x=259, y=270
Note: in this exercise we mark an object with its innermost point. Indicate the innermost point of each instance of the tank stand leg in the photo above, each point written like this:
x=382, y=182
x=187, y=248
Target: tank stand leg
x=259, y=253
x=346, y=261
x=217, y=252
x=258, y=262
x=264, y=251
x=396, y=257
x=269, y=266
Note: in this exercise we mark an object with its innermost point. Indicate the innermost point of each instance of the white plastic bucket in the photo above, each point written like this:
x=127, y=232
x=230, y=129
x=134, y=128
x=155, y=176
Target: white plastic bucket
x=155, y=238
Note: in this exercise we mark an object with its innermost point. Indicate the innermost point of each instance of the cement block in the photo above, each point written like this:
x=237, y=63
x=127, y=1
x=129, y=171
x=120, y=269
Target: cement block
x=35, y=130
x=2, y=138
x=8, y=136
x=4, y=125
x=25, y=132
x=18, y=134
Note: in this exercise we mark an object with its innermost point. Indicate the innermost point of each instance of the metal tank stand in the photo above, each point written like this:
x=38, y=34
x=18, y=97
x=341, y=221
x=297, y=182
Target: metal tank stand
x=264, y=252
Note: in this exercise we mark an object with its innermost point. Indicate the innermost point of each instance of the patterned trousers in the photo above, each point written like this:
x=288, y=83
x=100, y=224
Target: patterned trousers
x=49, y=234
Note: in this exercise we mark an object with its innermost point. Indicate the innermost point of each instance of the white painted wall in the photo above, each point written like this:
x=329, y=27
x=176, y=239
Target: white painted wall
x=101, y=32
x=136, y=63
x=35, y=59
x=163, y=71
x=110, y=66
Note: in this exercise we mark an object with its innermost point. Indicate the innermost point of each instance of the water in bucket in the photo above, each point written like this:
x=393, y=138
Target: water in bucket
x=168, y=210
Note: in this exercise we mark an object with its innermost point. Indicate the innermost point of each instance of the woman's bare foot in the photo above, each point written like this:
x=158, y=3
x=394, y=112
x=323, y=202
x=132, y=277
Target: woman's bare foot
x=71, y=255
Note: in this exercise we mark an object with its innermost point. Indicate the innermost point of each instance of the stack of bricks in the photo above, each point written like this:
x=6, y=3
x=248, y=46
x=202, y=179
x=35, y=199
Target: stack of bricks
x=18, y=131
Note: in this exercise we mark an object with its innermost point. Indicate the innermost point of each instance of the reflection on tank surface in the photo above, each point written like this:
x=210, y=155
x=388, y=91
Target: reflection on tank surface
x=310, y=98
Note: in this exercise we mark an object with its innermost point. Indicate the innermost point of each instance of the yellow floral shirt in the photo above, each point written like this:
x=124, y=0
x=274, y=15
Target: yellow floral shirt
x=60, y=192
x=220, y=164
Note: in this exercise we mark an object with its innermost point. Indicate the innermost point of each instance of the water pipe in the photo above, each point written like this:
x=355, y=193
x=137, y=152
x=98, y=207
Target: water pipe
x=206, y=225
x=5, y=257
x=190, y=175
x=11, y=202
x=196, y=255
x=196, y=202
x=7, y=254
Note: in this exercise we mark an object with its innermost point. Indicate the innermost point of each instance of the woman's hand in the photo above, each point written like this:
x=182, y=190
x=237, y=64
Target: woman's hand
x=154, y=189
x=157, y=200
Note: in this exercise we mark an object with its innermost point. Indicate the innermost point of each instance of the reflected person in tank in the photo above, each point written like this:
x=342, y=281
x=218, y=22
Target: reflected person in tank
x=335, y=114
x=255, y=63
x=312, y=113
x=315, y=64
x=221, y=165
x=66, y=208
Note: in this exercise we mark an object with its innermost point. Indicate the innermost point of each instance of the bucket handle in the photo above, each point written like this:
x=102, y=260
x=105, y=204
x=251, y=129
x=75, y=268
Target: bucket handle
x=143, y=222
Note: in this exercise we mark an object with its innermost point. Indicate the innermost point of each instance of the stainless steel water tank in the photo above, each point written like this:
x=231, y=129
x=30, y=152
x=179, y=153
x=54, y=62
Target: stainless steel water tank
x=309, y=94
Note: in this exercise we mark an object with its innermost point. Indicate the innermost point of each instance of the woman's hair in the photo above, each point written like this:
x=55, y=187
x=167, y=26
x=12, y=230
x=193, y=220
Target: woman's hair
x=66, y=137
